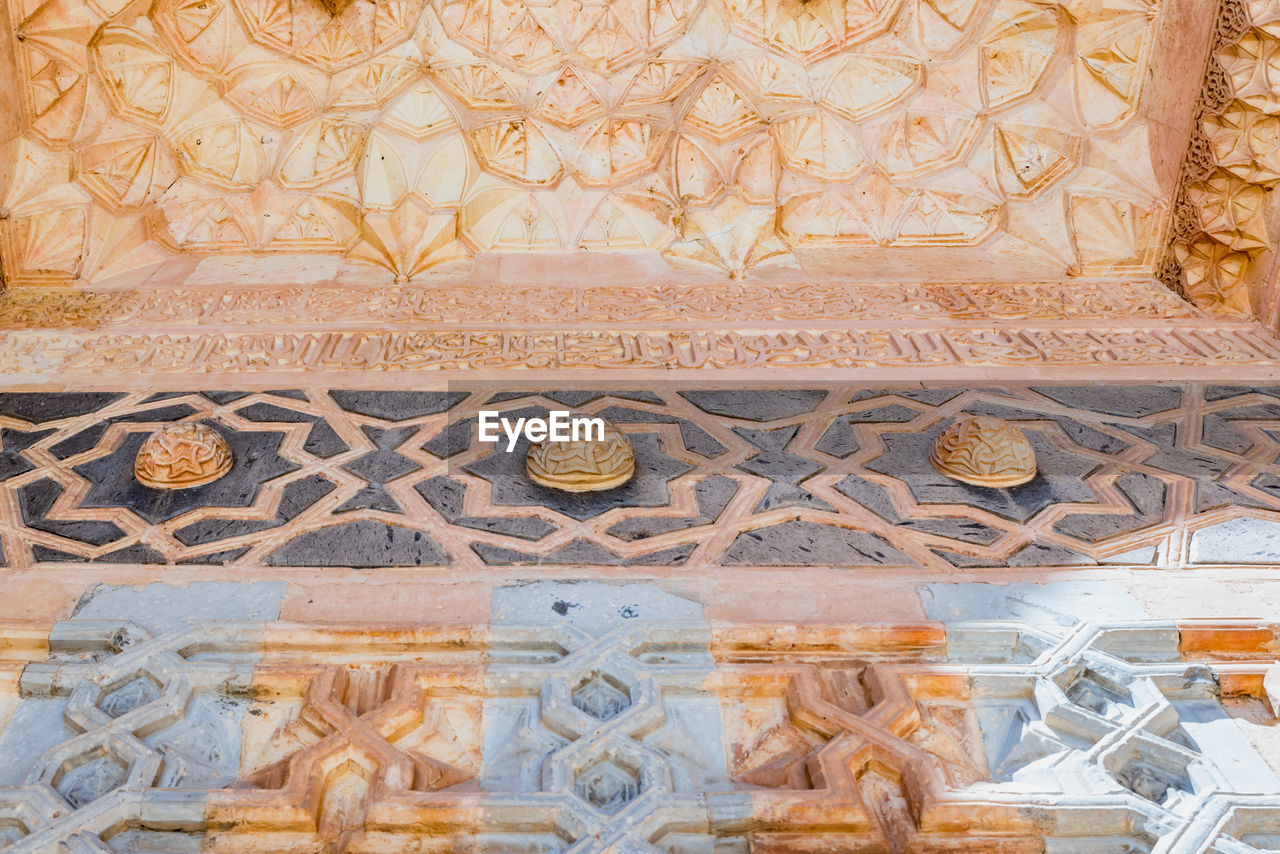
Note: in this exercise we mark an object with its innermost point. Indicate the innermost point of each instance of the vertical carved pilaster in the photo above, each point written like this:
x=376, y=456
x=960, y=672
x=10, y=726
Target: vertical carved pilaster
x=1222, y=220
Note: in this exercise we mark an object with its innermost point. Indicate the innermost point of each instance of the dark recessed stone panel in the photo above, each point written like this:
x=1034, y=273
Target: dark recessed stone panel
x=225, y=397
x=712, y=493
x=839, y=440
x=136, y=553
x=895, y=414
x=699, y=441
x=262, y=412
x=965, y=561
x=12, y=444
x=573, y=399
x=623, y=414
x=577, y=552
x=444, y=494
x=452, y=440
x=379, y=467
x=294, y=498
x=90, y=436
x=1220, y=430
x=931, y=396
x=1125, y=401
x=780, y=495
x=524, y=527
x=45, y=406
x=800, y=543
x=322, y=441
x=176, y=412
x=870, y=495
x=580, y=552
x=674, y=556
x=955, y=528
x=1082, y=434
x=37, y=499
x=362, y=544
x=80, y=442
x=1038, y=554
x=756, y=405
x=217, y=558
x=1170, y=457
x=1145, y=493
x=1061, y=477
x=397, y=405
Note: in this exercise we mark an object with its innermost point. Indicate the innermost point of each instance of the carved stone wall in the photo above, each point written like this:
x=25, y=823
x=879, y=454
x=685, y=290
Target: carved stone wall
x=1225, y=219
x=1167, y=476
x=599, y=718
x=1004, y=140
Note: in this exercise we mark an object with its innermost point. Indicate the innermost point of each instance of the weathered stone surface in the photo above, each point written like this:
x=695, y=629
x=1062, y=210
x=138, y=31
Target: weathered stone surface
x=810, y=544
x=755, y=405
x=359, y=544
x=396, y=405
x=1248, y=541
x=1110, y=484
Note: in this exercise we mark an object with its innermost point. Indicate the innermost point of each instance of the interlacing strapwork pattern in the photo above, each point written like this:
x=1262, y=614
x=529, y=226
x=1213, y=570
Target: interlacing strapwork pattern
x=641, y=735
x=1156, y=475
x=413, y=134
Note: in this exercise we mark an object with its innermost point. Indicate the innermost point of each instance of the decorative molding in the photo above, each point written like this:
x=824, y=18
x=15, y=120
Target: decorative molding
x=615, y=305
x=654, y=735
x=293, y=352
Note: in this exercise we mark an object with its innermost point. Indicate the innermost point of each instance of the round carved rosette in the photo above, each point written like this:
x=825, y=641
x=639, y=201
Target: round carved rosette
x=984, y=451
x=180, y=456
x=583, y=466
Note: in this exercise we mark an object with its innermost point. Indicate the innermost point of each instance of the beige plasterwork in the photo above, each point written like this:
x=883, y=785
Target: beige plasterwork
x=1225, y=217
x=997, y=140
x=55, y=337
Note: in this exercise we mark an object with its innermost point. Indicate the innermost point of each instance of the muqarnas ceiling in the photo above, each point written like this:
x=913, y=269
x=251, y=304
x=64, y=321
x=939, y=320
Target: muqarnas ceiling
x=956, y=139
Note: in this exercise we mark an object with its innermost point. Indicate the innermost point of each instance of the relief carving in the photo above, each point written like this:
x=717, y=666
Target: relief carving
x=985, y=451
x=1224, y=219
x=414, y=134
x=183, y=455
x=585, y=465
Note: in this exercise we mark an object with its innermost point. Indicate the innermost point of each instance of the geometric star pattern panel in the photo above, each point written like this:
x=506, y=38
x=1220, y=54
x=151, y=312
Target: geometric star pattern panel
x=416, y=134
x=1146, y=475
x=622, y=721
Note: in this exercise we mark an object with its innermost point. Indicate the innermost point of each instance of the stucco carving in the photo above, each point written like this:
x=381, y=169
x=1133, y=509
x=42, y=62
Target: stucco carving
x=985, y=451
x=730, y=303
x=183, y=455
x=586, y=465
x=998, y=736
x=723, y=137
x=1223, y=220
